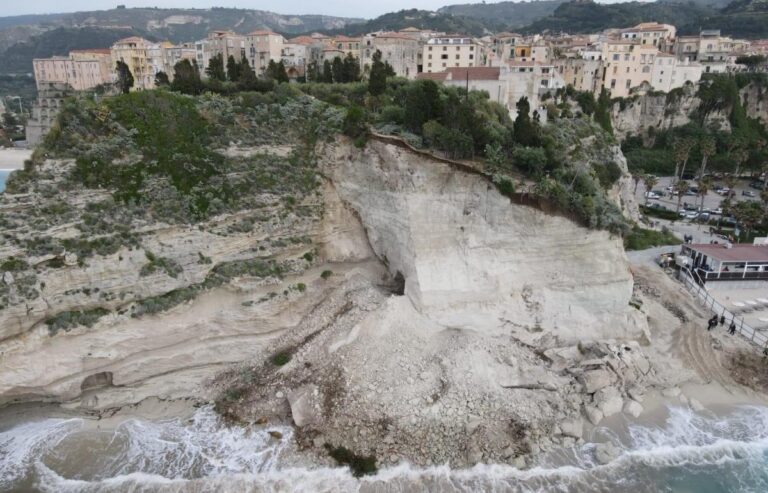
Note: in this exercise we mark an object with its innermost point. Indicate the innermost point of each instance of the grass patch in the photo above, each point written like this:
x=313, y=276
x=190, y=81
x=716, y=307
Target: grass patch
x=359, y=464
x=13, y=264
x=641, y=238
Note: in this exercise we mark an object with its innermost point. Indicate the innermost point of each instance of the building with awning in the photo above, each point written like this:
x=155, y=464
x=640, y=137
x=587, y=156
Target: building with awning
x=727, y=262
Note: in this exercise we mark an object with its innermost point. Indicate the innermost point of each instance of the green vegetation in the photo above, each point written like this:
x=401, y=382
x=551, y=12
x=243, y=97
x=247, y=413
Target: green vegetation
x=514, y=14
x=13, y=264
x=659, y=213
x=738, y=149
x=68, y=320
x=359, y=465
x=326, y=274
x=170, y=266
x=641, y=239
x=280, y=359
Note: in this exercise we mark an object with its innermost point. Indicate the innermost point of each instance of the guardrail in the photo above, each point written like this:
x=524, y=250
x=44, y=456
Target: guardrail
x=756, y=337
x=732, y=276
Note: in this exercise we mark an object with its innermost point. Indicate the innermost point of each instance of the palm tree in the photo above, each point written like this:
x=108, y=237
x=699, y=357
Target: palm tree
x=636, y=177
x=680, y=187
x=682, y=151
x=705, y=183
x=650, y=182
x=707, y=148
x=730, y=182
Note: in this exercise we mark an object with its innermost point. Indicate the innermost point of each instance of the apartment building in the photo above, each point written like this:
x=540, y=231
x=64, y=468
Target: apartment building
x=442, y=53
x=402, y=51
x=627, y=64
x=502, y=46
x=224, y=43
x=584, y=74
x=176, y=53
x=662, y=36
x=670, y=73
x=261, y=47
x=134, y=52
x=295, y=55
x=81, y=70
x=714, y=52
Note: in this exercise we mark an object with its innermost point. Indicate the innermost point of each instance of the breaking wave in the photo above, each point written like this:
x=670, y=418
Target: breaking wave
x=690, y=452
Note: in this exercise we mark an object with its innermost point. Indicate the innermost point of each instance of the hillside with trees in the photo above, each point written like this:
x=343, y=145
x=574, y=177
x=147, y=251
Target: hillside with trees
x=422, y=19
x=513, y=14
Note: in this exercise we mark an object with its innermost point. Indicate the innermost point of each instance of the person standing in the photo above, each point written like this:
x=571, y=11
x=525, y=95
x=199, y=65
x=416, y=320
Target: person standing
x=732, y=328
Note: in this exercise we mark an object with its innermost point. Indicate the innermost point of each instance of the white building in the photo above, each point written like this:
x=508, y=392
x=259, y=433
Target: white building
x=442, y=53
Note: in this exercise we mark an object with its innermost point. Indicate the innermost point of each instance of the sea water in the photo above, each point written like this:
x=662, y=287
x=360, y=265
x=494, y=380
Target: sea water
x=3, y=176
x=689, y=452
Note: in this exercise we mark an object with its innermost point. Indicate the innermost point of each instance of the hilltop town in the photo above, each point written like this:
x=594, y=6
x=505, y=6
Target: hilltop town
x=649, y=57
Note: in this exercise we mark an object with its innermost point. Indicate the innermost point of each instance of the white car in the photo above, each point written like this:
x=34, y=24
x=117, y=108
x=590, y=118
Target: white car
x=652, y=195
x=691, y=215
x=724, y=191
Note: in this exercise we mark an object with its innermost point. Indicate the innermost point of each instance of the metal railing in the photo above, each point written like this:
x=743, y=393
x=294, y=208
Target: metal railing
x=732, y=276
x=756, y=337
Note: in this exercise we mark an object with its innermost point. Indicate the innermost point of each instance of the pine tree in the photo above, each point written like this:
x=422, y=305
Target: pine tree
x=186, y=78
x=282, y=74
x=351, y=68
x=337, y=68
x=603, y=111
x=327, y=72
x=377, y=80
x=526, y=132
x=124, y=77
x=233, y=69
x=215, y=70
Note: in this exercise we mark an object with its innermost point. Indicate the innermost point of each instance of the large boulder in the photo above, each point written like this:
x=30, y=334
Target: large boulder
x=594, y=380
x=305, y=405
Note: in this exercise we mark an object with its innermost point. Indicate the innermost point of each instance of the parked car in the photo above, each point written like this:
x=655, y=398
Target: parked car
x=703, y=217
x=718, y=211
x=748, y=193
x=658, y=206
x=723, y=191
x=652, y=195
x=757, y=185
x=691, y=215
x=691, y=191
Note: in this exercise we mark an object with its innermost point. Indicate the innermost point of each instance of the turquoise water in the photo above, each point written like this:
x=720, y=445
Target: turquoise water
x=689, y=452
x=3, y=175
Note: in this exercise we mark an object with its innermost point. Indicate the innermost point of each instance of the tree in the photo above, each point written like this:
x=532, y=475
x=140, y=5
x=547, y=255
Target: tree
x=276, y=71
x=705, y=183
x=161, y=79
x=312, y=73
x=707, y=149
x=124, y=77
x=377, y=80
x=603, y=111
x=351, y=68
x=749, y=214
x=650, y=182
x=682, y=151
x=636, y=177
x=186, y=78
x=422, y=104
x=327, y=72
x=233, y=69
x=681, y=187
x=215, y=69
x=526, y=132
x=337, y=69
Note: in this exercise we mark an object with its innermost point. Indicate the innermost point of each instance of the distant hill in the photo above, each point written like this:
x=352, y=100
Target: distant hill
x=422, y=19
x=27, y=36
x=512, y=14
x=742, y=18
x=583, y=16
x=18, y=58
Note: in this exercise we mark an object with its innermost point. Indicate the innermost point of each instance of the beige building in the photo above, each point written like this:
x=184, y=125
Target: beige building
x=442, y=53
x=402, y=51
x=584, y=74
x=627, y=65
x=224, y=43
x=713, y=51
x=134, y=52
x=662, y=36
x=261, y=47
x=81, y=70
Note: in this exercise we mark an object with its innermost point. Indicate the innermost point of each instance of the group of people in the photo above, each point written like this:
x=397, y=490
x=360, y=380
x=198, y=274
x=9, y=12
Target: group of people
x=713, y=322
x=688, y=239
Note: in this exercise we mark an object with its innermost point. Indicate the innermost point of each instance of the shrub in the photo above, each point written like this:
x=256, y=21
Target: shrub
x=13, y=264
x=326, y=274
x=68, y=320
x=641, y=239
x=359, y=464
x=280, y=359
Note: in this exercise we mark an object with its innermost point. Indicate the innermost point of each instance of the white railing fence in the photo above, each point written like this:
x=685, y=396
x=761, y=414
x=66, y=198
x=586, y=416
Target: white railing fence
x=756, y=337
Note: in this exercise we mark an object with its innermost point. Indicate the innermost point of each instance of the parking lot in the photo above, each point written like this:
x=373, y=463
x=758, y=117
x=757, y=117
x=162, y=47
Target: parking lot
x=712, y=200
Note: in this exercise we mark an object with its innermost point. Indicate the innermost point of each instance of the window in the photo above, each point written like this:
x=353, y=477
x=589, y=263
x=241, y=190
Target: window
x=615, y=70
x=430, y=57
x=613, y=83
x=471, y=48
x=471, y=64
x=444, y=57
x=457, y=56
x=429, y=65
x=626, y=57
x=443, y=65
x=627, y=69
x=471, y=56
x=458, y=48
x=647, y=69
x=430, y=48
x=629, y=83
x=616, y=57
x=445, y=48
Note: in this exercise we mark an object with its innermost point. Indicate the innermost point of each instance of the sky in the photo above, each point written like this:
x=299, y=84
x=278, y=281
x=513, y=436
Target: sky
x=342, y=8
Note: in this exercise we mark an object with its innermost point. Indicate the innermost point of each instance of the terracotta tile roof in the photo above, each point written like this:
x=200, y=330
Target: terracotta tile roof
x=739, y=252
x=474, y=73
x=262, y=32
x=432, y=76
x=399, y=35
x=132, y=39
x=302, y=40
x=345, y=38
x=99, y=51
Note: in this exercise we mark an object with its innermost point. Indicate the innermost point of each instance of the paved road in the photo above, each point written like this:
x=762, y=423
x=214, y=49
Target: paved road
x=712, y=200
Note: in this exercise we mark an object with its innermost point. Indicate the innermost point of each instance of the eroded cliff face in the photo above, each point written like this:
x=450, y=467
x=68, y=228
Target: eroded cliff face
x=435, y=321
x=663, y=112
x=472, y=259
